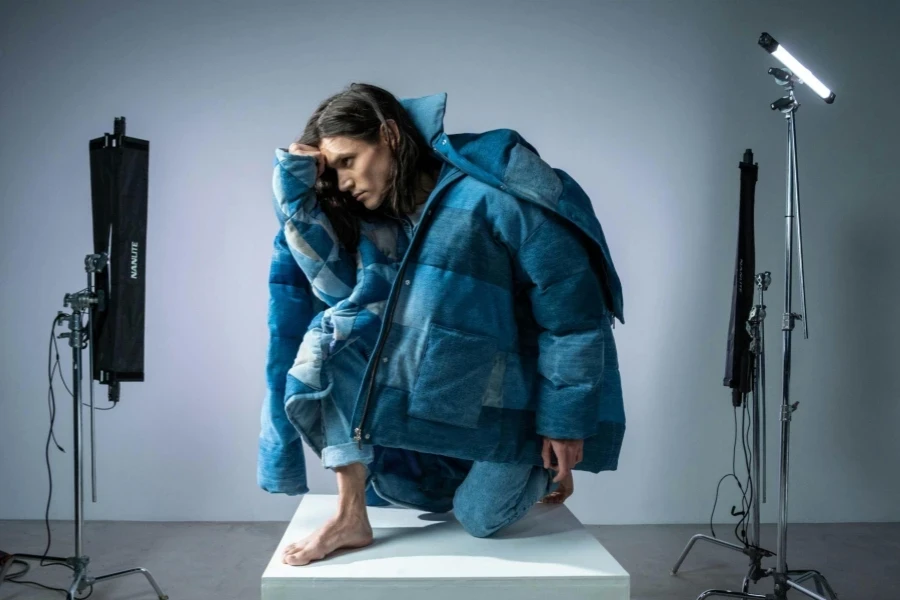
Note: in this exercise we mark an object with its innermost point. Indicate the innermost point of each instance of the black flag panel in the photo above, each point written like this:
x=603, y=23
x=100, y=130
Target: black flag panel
x=119, y=200
x=738, y=361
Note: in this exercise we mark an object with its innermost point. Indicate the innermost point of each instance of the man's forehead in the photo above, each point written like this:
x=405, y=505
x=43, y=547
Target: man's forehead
x=336, y=148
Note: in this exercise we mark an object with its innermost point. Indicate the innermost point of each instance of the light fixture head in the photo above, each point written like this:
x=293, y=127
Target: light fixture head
x=771, y=46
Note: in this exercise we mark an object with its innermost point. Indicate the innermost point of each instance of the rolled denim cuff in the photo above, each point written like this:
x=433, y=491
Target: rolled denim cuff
x=342, y=455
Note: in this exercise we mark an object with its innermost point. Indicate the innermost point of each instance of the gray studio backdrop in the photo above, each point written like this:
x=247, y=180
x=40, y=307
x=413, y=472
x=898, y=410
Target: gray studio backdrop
x=649, y=105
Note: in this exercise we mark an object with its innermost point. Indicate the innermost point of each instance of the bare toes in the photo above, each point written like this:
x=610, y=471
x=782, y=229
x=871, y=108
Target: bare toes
x=294, y=547
x=305, y=556
x=294, y=558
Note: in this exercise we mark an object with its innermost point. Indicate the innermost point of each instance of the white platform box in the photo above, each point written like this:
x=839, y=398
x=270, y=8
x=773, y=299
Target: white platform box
x=428, y=556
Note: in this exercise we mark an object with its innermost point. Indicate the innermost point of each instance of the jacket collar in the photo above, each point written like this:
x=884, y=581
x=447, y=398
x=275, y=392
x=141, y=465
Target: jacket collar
x=427, y=114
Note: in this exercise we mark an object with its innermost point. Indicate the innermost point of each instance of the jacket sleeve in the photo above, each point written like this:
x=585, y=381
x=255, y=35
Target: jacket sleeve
x=335, y=275
x=281, y=466
x=329, y=267
x=574, y=323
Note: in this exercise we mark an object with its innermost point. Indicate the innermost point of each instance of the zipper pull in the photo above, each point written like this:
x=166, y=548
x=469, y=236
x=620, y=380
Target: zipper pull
x=358, y=436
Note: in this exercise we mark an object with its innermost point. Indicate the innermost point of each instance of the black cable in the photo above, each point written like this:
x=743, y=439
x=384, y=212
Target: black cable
x=740, y=530
x=46, y=587
x=26, y=566
x=737, y=528
x=747, y=490
x=726, y=476
x=86, y=329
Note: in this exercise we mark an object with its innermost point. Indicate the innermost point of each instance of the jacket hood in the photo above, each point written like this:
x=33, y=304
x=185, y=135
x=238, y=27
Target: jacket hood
x=503, y=159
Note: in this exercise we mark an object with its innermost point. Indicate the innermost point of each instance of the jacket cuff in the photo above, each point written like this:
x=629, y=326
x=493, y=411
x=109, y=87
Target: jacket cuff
x=281, y=469
x=567, y=413
x=342, y=455
x=283, y=486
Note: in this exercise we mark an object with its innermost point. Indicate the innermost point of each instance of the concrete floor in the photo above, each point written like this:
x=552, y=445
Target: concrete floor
x=224, y=561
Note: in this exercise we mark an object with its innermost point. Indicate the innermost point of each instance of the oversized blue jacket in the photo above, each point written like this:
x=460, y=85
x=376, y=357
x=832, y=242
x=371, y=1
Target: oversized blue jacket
x=486, y=330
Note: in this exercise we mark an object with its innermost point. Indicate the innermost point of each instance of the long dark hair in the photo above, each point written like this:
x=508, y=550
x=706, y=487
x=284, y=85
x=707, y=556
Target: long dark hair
x=358, y=112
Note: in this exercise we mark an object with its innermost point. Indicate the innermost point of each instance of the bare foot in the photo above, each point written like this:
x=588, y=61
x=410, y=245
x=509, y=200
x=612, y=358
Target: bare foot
x=340, y=531
x=559, y=495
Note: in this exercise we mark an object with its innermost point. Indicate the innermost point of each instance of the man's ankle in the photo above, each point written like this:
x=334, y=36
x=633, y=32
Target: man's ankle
x=352, y=489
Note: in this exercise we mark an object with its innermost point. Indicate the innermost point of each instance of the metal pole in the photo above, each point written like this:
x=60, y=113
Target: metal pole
x=754, y=509
x=786, y=328
x=92, y=294
x=761, y=374
x=75, y=342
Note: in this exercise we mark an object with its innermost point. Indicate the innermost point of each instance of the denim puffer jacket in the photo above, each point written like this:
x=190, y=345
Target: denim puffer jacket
x=485, y=331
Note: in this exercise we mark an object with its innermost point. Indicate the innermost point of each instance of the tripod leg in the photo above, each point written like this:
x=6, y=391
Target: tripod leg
x=827, y=591
x=819, y=589
x=729, y=594
x=805, y=591
x=76, y=584
x=804, y=575
x=707, y=538
x=745, y=587
x=830, y=592
x=822, y=586
x=156, y=588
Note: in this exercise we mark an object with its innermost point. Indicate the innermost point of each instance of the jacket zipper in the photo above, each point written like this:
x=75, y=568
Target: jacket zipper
x=358, y=431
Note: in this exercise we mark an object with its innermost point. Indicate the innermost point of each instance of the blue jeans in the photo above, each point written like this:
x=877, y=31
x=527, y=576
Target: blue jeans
x=494, y=495
x=484, y=496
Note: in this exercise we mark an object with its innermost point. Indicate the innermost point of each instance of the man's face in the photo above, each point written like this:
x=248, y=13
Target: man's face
x=363, y=169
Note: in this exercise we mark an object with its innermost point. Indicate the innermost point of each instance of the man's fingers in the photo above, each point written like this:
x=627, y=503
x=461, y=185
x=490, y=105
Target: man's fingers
x=545, y=453
x=564, y=466
x=563, y=473
x=568, y=454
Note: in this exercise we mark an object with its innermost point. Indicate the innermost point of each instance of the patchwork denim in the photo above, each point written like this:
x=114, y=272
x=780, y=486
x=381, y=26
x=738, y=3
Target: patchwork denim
x=495, y=495
x=484, y=496
x=483, y=331
x=323, y=415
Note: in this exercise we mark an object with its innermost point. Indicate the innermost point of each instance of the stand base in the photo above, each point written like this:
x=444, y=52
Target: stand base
x=782, y=583
x=756, y=555
x=81, y=578
x=823, y=590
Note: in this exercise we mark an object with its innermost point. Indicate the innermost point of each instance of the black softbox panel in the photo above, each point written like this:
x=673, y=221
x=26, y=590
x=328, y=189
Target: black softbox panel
x=119, y=202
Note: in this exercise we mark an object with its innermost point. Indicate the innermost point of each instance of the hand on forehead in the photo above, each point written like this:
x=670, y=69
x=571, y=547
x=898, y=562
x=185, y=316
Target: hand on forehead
x=338, y=148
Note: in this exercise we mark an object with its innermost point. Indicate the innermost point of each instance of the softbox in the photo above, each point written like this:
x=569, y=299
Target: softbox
x=119, y=203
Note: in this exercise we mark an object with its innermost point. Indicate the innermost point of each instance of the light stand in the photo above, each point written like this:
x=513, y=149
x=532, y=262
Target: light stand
x=786, y=579
x=789, y=105
x=80, y=302
x=756, y=553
